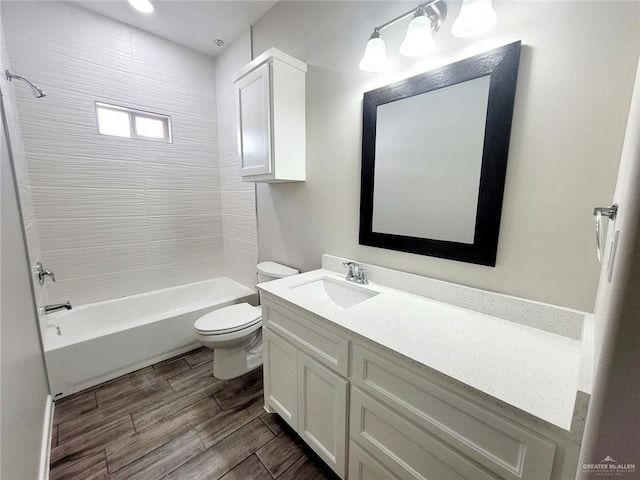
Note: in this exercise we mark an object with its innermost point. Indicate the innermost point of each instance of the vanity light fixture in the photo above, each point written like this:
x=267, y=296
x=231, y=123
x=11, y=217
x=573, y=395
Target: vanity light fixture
x=143, y=6
x=375, y=53
x=476, y=17
x=418, y=40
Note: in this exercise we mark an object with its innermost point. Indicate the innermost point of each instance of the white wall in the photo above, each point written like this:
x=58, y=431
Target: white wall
x=24, y=391
x=574, y=86
x=238, y=197
x=614, y=419
x=116, y=216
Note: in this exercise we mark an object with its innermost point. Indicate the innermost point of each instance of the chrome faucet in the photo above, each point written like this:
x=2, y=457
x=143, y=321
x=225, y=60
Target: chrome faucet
x=356, y=273
x=47, y=309
x=41, y=272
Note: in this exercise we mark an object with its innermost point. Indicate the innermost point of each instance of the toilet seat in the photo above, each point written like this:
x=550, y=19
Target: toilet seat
x=228, y=319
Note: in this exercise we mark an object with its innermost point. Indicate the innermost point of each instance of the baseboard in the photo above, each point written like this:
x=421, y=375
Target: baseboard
x=47, y=431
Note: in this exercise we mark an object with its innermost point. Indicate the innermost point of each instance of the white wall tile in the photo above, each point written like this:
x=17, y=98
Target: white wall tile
x=54, y=203
x=195, y=126
x=240, y=260
x=70, y=233
x=181, y=152
x=190, y=70
x=155, y=93
x=73, y=47
x=116, y=216
x=238, y=197
x=89, y=289
x=239, y=201
x=91, y=261
x=67, y=171
x=50, y=138
x=33, y=243
x=186, y=250
x=178, y=274
x=182, y=202
x=173, y=227
x=26, y=201
x=162, y=176
x=61, y=106
x=240, y=227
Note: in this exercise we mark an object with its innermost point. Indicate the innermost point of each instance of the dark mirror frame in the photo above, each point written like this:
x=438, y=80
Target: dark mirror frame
x=501, y=64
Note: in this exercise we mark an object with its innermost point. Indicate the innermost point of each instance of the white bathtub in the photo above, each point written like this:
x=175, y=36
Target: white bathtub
x=101, y=341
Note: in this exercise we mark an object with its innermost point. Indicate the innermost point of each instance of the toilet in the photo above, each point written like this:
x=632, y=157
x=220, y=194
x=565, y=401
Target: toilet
x=234, y=332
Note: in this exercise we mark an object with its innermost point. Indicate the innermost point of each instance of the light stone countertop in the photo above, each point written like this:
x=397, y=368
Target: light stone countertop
x=531, y=369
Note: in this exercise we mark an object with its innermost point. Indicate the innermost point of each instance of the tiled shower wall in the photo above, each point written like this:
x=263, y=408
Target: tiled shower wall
x=21, y=174
x=238, y=197
x=116, y=216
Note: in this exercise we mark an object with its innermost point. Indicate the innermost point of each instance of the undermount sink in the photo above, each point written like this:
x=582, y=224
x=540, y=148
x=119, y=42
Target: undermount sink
x=334, y=291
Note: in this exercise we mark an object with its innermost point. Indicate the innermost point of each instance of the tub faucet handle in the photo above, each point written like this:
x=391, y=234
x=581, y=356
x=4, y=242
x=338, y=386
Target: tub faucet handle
x=48, y=273
x=41, y=272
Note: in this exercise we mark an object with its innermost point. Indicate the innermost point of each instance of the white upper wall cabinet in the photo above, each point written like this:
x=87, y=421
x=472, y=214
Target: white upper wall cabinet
x=270, y=96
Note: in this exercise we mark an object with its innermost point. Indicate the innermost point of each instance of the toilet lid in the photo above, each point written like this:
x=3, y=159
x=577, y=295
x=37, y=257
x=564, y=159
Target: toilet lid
x=228, y=319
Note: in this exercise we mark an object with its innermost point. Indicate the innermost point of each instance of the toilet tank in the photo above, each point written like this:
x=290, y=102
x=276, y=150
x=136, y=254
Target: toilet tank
x=272, y=271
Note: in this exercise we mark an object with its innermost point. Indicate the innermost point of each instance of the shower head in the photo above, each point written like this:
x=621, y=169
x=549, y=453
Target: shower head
x=37, y=91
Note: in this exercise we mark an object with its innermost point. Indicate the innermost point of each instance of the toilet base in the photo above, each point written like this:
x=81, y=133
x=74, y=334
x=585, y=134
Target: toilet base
x=231, y=363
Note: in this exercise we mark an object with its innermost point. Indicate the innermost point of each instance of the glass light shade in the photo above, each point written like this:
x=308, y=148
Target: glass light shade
x=418, y=40
x=143, y=6
x=476, y=17
x=375, y=56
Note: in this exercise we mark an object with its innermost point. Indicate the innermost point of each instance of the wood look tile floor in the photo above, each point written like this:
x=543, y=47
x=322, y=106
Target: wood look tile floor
x=174, y=420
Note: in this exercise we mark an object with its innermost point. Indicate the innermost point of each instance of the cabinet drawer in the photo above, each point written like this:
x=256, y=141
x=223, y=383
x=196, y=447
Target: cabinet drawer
x=408, y=451
x=324, y=346
x=501, y=446
x=363, y=466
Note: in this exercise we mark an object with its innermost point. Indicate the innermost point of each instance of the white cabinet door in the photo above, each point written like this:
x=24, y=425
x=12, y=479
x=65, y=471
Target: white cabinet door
x=270, y=97
x=254, y=122
x=280, y=378
x=322, y=412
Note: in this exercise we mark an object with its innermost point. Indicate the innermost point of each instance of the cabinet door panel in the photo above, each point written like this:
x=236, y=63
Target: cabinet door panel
x=363, y=466
x=322, y=412
x=280, y=378
x=254, y=122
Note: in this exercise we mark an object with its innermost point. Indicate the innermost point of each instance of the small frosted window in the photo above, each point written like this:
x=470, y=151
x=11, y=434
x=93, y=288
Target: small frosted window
x=113, y=122
x=150, y=127
x=129, y=123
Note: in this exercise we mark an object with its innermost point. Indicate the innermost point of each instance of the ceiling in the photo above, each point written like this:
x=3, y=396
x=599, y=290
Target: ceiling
x=192, y=23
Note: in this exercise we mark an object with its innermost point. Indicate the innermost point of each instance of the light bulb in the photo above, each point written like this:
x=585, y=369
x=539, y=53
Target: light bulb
x=375, y=55
x=143, y=6
x=476, y=17
x=418, y=40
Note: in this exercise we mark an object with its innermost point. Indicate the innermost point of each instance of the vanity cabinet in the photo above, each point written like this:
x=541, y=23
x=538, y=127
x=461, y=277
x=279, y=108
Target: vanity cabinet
x=394, y=418
x=270, y=100
x=301, y=385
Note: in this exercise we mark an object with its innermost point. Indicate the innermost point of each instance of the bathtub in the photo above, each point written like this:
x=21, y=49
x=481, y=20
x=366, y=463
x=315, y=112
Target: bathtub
x=94, y=343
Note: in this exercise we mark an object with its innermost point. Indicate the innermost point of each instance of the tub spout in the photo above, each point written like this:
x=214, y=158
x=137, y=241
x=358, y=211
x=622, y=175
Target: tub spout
x=55, y=307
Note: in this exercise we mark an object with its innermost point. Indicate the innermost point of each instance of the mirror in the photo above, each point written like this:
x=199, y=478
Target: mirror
x=434, y=158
